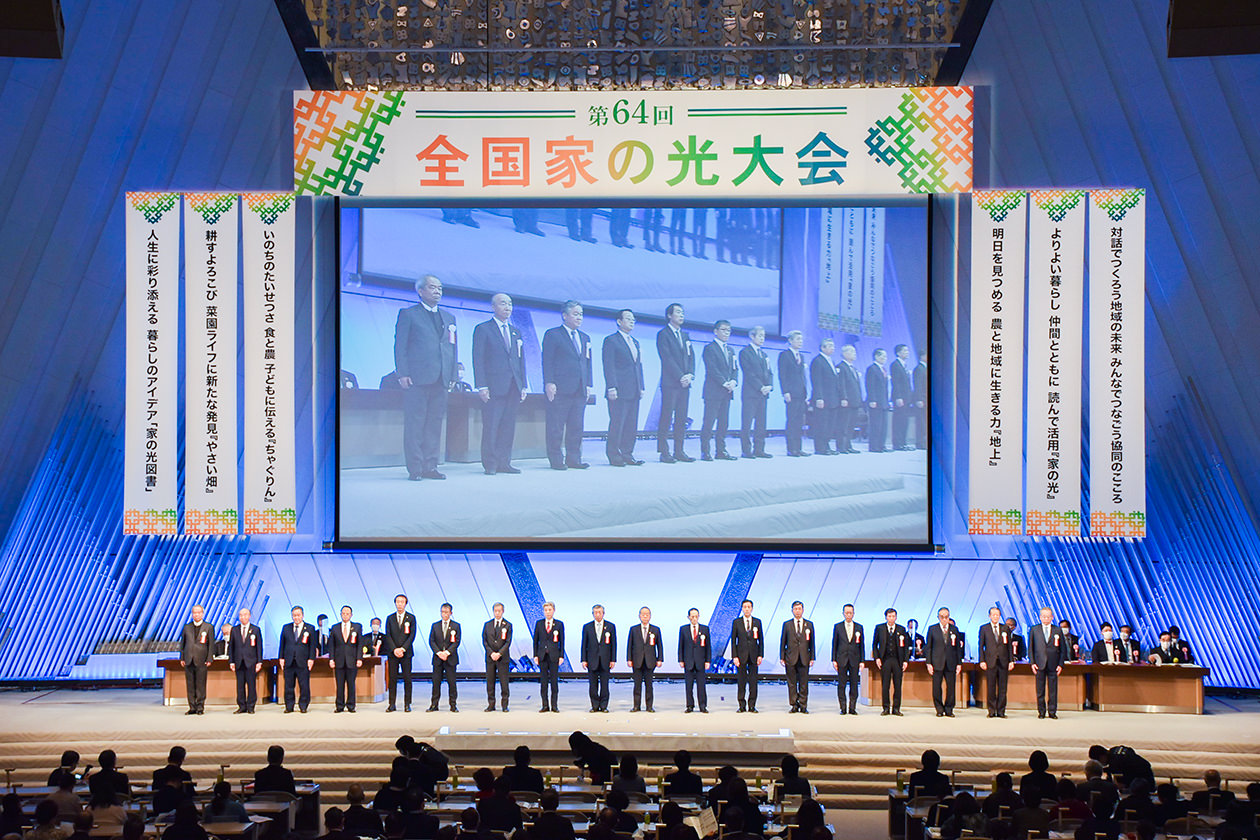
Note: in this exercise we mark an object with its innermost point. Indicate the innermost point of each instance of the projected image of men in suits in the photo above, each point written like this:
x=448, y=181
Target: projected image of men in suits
x=499, y=375
x=424, y=360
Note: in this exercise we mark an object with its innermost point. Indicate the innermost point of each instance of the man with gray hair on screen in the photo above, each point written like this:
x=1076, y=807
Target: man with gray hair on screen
x=424, y=361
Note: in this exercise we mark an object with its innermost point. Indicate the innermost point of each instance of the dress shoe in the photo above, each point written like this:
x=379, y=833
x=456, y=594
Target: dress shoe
x=616, y=463
x=843, y=710
x=793, y=710
x=705, y=456
x=1053, y=716
x=635, y=709
x=351, y=711
x=490, y=708
x=413, y=478
x=897, y=712
x=407, y=708
x=490, y=472
x=762, y=455
x=1001, y=714
x=688, y=710
x=510, y=470
x=505, y=707
x=338, y=711
x=746, y=455
x=1040, y=715
x=555, y=710
x=794, y=454
x=391, y=708
x=703, y=710
x=853, y=710
x=726, y=457
x=684, y=457
x=742, y=710
x=543, y=709
x=303, y=711
x=559, y=467
x=249, y=711
x=288, y=711
x=751, y=710
x=666, y=458
x=433, y=474
x=594, y=710
x=949, y=714
x=201, y=711
x=804, y=710
x=454, y=708
x=803, y=454
x=194, y=711
x=580, y=465
x=632, y=462
x=885, y=712
x=940, y=714
x=651, y=710
x=432, y=708
x=992, y=714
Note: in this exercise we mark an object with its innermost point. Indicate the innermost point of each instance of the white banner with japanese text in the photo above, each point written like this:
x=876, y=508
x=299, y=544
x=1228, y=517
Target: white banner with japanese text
x=1117, y=392
x=998, y=227
x=647, y=145
x=268, y=246
x=840, y=270
x=873, y=271
x=210, y=346
x=150, y=480
x=1056, y=340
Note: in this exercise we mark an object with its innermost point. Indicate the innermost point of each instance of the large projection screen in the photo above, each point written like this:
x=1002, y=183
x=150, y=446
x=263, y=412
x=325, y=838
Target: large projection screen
x=855, y=276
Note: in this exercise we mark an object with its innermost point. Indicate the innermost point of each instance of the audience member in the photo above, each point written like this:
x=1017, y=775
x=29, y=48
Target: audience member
x=419, y=825
x=390, y=796
x=133, y=827
x=105, y=810
x=1238, y=824
x=717, y=793
x=1039, y=780
x=47, y=823
x=69, y=763
x=792, y=783
x=187, y=825
x=1122, y=764
x=733, y=825
x=596, y=759
x=550, y=824
x=628, y=778
x=11, y=816
x=1004, y=801
x=1137, y=806
x=1170, y=805
x=224, y=807
x=499, y=811
x=602, y=828
x=483, y=778
x=1071, y=806
x=335, y=825
x=930, y=781
x=808, y=817
x=359, y=821
x=174, y=768
x=470, y=827
x=683, y=782
x=672, y=825
x=169, y=796
x=1032, y=817
x=737, y=799
x=1212, y=800
x=275, y=776
x=618, y=801
x=1101, y=824
x=68, y=802
x=82, y=826
x=964, y=816
x=520, y=775
x=1096, y=789
x=395, y=826
x=108, y=777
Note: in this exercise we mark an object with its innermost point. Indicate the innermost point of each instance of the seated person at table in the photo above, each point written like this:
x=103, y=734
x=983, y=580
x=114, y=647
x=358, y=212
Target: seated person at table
x=1170, y=805
x=1071, y=806
x=390, y=796
x=361, y=822
x=737, y=799
x=82, y=826
x=520, y=774
x=47, y=823
x=419, y=825
x=601, y=827
x=551, y=825
x=470, y=827
x=11, y=816
x=628, y=778
x=174, y=768
x=683, y=782
x=500, y=812
x=108, y=776
x=674, y=827
x=930, y=781
x=133, y=827
x=395, y=826
x=596, y=759
x=1137, y=806
x=1212, y=800
x=335, y=825
x=170, y=796
x=1238, y=824
x=1095, y=788
x=809, y=817
x=1032, y=817
x=617, y=802
x=105, y=810
x=187, y=825
x=1039, y=780
x=275, y=776
x=1100, y=825
x=733, y=827
x=68, y=802
x=792, y=783
x=964, y=816
x=224, y=807
x=717, y=793
x=483, y=778
x=1004, y=801
x=69, y=763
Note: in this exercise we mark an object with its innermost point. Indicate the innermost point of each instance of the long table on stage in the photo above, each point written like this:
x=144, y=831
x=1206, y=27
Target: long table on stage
x=916, y=686
x=221, y=682
x=1108, y=688
x=369, y=683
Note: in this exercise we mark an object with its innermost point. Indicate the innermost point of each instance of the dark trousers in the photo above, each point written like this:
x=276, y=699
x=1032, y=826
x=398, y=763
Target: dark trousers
x=643, y=684
x=548, y=680
x=849, y=674
x=798, y=684
x=877, y=428
x=497, y=670
x=920, y=428
x=901, y=425
x=498, y=430
x=566, y=415
x=823, y=428
x=652, y=218
x=890, y=675
x=399, y=669
x=695, y=676
x=795, y=423
x=246, y=687
x=346, y=676
x=597, y=676
x=525, y=220
x=619, y=227
x=752, y=439
x=579, y=223
x=424, y=406
x=623, y=426
x=296, y=674
x=845, y=416
x=673, y=411
x=195, y=681
x=746, y=679
x=997, y=688
x=443, y=670
x=947, y=676
x=1047, y=684
x=717, y=418
x=700, y=232
x=677, y=229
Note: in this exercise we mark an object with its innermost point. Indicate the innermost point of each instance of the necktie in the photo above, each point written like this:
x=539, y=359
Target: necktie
x=681, y=343
x=730, y=357
x=548, y=626
x=762, y=354
x=507, y=338
x=1047, y=628
x=747, y=625
x=694, y=636
x=577, y=344
x=797, y=356
x=798, y=627
x=634, y=353
x=443, y=629
x=345, y=632
x=645, y=634
x=496, y=628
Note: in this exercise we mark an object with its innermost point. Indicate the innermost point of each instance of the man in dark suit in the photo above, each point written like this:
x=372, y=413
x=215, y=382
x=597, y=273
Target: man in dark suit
x=902, y=397
x=1132, y=647
x=195, y=652
x=108, y=779
x=754, y=395
x=795, y=392
x=943, y=654
x=1019, y=645
x=796, y=652
x=920, y=380
x=748, y=648
x=644, y=652
x=825, y=396
x=245, y=658
x=995, y=660
x=694, y=645
x=599, y=654
x=424, y=360
x=549, y=656
x=891, y=651
x=678, y=371
x=444, y=639
x=499, y=376
x=321, y=635
x=496, y=638
x=346, y=652
x=846, y=658
x=683, y=782
x=298, y=650
x=720, y=378
x=916, y=640
x=578, y=221
x=1165, y=653
x=1071, y=642
x=1046, y=650
x=275, y=776
x=623, y=379
x=1181, y=645
x=850, y=398
x=520, y=774
x=567, y=382
x=877, y=401
x=400, y=636
x=374, y=640
x=1108, y=650
x=221, y=646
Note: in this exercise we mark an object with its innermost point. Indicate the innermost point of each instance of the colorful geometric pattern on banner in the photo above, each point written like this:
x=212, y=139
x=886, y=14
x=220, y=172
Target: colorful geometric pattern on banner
x=873, y=271
x=1056, y=340
x=640, y=145
x=211, y=229
x=268, y=248
x=998, y=225
x=1117, y=391
x=150, y=481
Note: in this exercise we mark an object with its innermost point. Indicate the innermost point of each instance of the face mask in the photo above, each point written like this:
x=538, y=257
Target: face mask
x=1124, y=636
x=1107, y=636
x=1165, y=645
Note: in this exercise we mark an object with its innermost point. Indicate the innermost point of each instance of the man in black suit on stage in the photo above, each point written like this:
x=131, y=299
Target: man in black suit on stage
x=748, y=648
x=754, y=395
x=374, y=640
x=902, y=397
x=321, y=635
x=796, y=652
x=400, y=636
x=549, y=656
x=694, y=644
x=1165, y=653
x=846, y=658
x=599, y=655
x=877, y=401
x=1132, y=647
x=1071, y=642
x=944, y=655
x=346, y=652
x=1182, y=646
x=795, y=393
x=496, y=638
x=825, y=395
x=245, y=658
x=678, y=371
x=299, y=647
x=915, y=639
x=499, y=375
x=920, y=379
x=1019, y=646
x=424, y=361
x=444, y=639
x=1046, y=650
x=566, y=368
x=623, y=379
x=196, y=644
x=891, y=651
x=850, y=398
x=1108, y=650
x=996, y=661
x=221, y=646
x=720, y=378
x=644, y=652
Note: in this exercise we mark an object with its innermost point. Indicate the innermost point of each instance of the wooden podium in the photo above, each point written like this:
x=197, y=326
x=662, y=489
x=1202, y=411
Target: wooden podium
x=369, y=683
x=1147, y=688
x=220, y=683
x=916, y=686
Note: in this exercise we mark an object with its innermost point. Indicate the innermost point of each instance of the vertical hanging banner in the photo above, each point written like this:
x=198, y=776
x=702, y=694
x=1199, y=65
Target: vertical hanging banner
x=268, y=247
x=1117, y=392
x=150, y=483
x=210, y=280
x=828, y=268
x=998, y=227
x=873, y=271
x=1056, y=339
